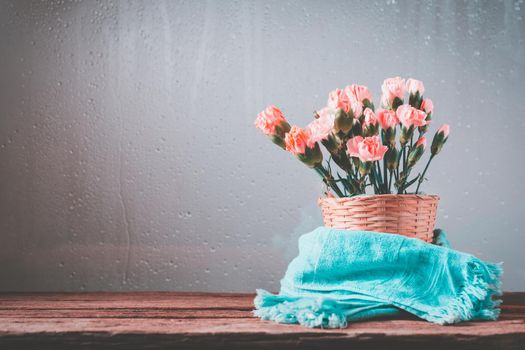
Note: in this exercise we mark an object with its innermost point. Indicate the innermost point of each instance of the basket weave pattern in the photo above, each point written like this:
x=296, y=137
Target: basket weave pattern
x=408, y=215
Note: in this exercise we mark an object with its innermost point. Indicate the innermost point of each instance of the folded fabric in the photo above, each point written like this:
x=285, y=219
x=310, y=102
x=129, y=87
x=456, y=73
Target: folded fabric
x=341, y=276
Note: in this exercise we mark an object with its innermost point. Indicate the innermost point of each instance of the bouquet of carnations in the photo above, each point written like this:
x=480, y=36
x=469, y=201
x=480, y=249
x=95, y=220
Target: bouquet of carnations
x=341, y=266
x=376, y=149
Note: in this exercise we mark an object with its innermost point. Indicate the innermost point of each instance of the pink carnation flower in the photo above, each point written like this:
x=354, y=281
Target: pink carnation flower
x=414, y=86
x=410, y=116
x=346, y=100
x=357, y=108
x=268, y=119
x=358, y=92
x=387, y=118
x=356, y=95
x=370, y=117
x=326, y=112
x=296, y=140
x=392, y=88
x=367, y=149
x=352, y=146
x=337, y=99
x=319, y=129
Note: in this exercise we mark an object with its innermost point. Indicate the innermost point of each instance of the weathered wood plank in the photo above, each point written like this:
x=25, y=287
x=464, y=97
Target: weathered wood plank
x=255, y=333
x=162, y=313
x=260, y=341
x=125, y=313
x=18, y=326
x=157, y=300
x=196, y=320
x=153, y=300
x=86, y=296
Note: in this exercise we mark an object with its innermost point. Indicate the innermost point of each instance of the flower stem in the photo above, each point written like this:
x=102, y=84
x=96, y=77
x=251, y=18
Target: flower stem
x=404, y=177
x=420, y=181
x=374, y=180
x=385, y=176
x=403, y=156
x=379, y=177
x=328, y=179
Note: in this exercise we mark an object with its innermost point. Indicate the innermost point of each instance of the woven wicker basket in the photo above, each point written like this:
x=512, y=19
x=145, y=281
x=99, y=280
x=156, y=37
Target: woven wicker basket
x=405, y=214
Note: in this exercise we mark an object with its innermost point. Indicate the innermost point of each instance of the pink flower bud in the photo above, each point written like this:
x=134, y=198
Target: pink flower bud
x=422, y=142
x=416, y=152
x=439, y=139
x=427, y=105
x=445, y=129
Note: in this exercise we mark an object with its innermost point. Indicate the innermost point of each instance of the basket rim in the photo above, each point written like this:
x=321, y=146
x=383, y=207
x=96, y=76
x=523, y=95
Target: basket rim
x=381, y=196
x=412, y=215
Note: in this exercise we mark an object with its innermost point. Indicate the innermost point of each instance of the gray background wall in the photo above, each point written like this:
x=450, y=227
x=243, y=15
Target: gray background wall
x=128, y=154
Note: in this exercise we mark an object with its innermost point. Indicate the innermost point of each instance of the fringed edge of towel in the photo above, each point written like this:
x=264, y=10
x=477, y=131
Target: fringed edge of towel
x=309, y=312
x=315, y=311
x=478, y=297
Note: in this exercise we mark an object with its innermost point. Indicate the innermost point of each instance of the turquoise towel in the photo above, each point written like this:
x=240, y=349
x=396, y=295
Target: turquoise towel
x=342, y=276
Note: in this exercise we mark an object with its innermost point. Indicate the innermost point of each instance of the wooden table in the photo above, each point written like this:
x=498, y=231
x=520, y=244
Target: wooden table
x=207, y=321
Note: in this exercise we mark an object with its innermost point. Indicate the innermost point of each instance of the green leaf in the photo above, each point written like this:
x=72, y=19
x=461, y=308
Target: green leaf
x=411, y=182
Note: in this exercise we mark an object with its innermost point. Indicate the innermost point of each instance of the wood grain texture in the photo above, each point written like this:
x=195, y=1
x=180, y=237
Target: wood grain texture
x=209, y=321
